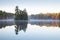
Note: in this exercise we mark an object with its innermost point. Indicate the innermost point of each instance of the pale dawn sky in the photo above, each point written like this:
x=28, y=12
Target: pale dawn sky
x=32, y=6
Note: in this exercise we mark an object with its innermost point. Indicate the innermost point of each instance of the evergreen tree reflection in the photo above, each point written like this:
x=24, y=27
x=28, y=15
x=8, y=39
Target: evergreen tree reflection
x=59, y=24
x=20, y=25
x=46, y=23
x=4, y=24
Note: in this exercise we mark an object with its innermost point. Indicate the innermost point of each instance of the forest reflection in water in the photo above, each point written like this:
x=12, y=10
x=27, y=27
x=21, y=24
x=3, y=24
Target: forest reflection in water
x=22, y=24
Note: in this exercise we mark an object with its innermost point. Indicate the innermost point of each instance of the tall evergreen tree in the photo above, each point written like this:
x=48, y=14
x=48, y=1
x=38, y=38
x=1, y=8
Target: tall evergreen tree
x=16, y=10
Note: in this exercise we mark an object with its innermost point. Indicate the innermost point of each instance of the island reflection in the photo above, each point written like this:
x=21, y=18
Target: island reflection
x=22, y=24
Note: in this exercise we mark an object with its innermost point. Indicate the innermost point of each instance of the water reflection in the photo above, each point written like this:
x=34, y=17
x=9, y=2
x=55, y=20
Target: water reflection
x=4, y=24
x=22, y=24
x=54, y=23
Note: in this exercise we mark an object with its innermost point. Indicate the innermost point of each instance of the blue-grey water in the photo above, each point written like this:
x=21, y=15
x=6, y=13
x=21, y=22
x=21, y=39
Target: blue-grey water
x=29, y=30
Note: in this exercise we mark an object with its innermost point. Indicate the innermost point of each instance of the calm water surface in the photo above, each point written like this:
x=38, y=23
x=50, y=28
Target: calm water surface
x=29, y=30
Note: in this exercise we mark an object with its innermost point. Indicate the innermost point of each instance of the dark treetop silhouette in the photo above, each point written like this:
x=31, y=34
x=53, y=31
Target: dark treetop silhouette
x=20, y=15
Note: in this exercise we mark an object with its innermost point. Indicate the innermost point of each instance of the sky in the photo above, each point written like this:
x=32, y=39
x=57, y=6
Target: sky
x=32, y=6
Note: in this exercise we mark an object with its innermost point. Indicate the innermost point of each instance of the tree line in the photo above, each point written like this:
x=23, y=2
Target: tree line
x=5, y=15
x=53, y=16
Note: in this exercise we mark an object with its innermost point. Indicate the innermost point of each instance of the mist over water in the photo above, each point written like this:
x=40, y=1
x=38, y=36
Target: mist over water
x=29, y=30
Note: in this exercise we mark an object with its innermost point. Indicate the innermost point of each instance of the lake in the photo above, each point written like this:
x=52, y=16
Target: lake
x=29, y=30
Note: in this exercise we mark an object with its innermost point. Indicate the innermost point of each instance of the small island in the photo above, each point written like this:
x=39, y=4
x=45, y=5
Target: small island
x=20, y=15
